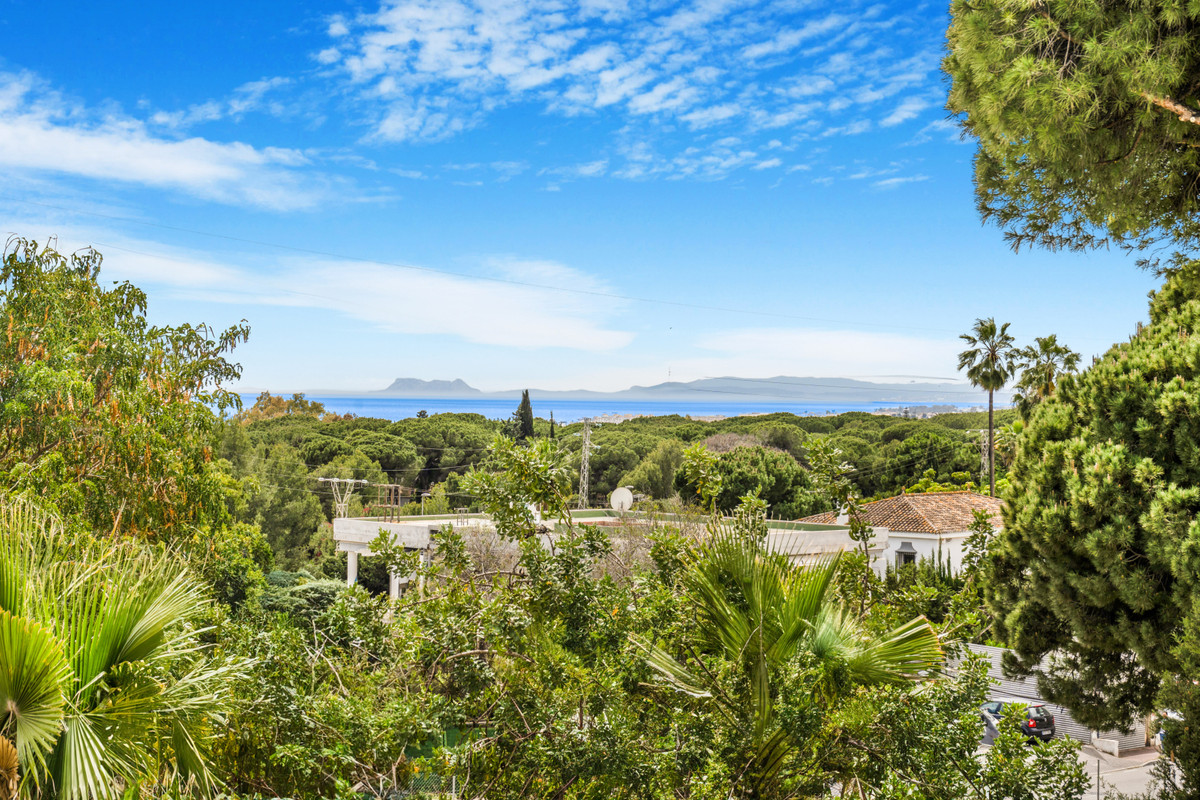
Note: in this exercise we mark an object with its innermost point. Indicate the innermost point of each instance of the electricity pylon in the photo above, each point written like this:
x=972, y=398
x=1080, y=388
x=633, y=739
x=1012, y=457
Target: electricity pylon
x=342, y=489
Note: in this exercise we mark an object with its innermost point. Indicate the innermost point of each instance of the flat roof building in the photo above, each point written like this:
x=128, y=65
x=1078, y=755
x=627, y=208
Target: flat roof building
x=800, y=541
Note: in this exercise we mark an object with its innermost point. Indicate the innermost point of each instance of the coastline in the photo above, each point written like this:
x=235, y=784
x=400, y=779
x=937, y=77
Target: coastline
x=610, y=411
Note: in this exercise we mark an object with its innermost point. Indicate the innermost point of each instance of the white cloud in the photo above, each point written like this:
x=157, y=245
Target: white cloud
x=944, y=129
x=425, y=303
x=806, y=86
x=769, y=163
x=40, y=133
x=804, y=351
x=892, y=183
x=850, y=129
x=590, y=169
x=248, y=97
x=787, y=40
x=705, y=117
x=873, y=172
x=516, y=307
x=908, y=109
x=431, y=69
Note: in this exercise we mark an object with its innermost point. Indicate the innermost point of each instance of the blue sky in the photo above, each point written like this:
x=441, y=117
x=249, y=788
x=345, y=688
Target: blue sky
x=564, y=195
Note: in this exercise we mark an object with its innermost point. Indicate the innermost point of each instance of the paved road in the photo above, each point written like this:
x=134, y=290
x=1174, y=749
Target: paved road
x=1129, y=774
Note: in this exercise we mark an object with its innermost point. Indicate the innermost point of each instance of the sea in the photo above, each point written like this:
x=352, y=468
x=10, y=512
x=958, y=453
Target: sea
x=397, y=408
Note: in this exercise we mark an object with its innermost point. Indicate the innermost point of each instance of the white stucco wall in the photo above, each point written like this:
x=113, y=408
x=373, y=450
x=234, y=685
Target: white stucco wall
x=930, y=546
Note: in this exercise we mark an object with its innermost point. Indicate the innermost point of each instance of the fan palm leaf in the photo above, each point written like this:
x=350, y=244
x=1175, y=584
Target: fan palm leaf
x=33, y=674
x=125, y=694
x=759, y=611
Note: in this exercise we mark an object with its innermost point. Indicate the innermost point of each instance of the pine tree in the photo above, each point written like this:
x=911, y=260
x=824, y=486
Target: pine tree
x=525, y=418
x=553, y=434
x=1087, y=117
x=1097, y=562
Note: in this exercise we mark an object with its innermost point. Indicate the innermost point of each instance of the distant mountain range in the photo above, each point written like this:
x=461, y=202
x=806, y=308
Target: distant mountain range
x=721, y=390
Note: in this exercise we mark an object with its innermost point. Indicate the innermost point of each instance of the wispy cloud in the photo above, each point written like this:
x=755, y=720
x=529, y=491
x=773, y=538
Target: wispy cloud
x=392, y=299
x=432, y=69
x=590, y=169
x=908, y=109
x=892, y=183
x=806, y=351
x=254, y=96
x=942, y=129
x=42, y=133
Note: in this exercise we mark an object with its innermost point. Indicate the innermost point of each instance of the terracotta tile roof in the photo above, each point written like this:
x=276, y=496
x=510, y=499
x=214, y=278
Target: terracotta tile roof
x=932, y=512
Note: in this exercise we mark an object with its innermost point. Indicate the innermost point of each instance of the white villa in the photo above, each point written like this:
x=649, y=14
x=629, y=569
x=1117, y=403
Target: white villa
x=932, y=525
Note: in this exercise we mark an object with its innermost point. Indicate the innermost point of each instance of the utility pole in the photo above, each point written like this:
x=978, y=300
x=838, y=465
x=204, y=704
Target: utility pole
x=342, y=489
x=984, y=443
x=584, y=466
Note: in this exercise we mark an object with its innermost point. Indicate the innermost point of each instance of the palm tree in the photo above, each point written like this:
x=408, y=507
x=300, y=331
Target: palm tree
x=990, y=363
x=758, y=611
x=1042, y=364
x=102, y=687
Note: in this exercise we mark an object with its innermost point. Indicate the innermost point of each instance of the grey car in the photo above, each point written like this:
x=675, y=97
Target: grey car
x=1037, y=722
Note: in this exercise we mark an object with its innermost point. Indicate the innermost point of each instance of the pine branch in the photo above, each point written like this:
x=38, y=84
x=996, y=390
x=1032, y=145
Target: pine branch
x=1184, y=113
x=1128, y=153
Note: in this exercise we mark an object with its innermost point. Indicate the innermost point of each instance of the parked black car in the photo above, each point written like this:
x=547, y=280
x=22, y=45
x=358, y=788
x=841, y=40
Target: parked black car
x=1037, y=724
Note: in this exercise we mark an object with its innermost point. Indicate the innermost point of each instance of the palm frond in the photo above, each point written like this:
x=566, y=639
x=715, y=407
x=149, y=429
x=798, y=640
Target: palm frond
x=806, y=598
x=176, y=599
x=21, y=522
x=190, y=763
x=679, y=677
x=81, y=767
x=907, y=653
x=33, y=672
x=125, y=690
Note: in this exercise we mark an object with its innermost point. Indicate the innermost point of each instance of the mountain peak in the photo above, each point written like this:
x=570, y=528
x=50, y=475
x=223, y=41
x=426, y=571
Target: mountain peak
x=416, y=387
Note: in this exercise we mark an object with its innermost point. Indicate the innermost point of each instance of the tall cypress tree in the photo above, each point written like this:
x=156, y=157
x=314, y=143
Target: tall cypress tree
x=552, y=426
x=525, y=418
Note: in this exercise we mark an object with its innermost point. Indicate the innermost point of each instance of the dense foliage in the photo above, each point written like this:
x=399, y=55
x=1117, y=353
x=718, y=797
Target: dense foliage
x=654, y=660
x=106, y=416
x=1087, y=117
x=1103, y=520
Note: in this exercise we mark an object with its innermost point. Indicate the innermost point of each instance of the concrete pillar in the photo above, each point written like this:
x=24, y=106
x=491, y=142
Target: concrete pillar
x=424, y=564
x=351, y=567
x=393, y=585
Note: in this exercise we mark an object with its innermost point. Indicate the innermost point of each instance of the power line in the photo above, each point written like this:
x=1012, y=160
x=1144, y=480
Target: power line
x=326, y=492
x=396, y=471
x=890, y=465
